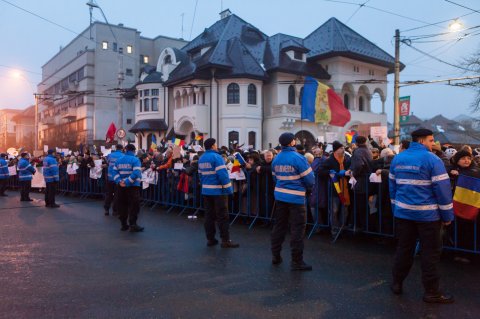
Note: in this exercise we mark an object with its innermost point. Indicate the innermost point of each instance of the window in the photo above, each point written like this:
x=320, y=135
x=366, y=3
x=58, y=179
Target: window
x=149, y=141
x=252, y=94
x=145, y=59
x=346, y=101
x=140, y=141
x=252, y=136
x=140, y=93
x=105, y=45
x=81, y=74
x=114, y=46
x=300, y=98
x=232, y=138
x=356, y=69
x=233, y=93
x=194, y=98
x=291, y=95
x=203, y=97
x=129, y=121
x=129, y=72
x=129, y=49
x=155, y=104
x=360, y=104
x=146, y=92
x=155, y=92
x=167, y=59
x=140, y=104
x=146, y=105
x=297, y=55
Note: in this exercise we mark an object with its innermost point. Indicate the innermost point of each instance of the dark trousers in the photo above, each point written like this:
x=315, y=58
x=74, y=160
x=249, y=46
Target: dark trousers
x=428, y=233
x=25, y=187
x=110, y=195
x=295, y=215
x=128, y=204
x=216, y=211
x=3, y=185
x=50, y=191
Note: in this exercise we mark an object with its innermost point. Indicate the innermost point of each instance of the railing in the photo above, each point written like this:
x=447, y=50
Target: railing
x=252, y=203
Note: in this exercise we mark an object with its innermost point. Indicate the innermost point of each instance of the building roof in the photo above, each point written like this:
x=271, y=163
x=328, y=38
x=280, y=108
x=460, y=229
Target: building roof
x=412, y=120
x=154, y=77
x=155, y=125
x=333, y=38
x=28, y=112
x=456, y=137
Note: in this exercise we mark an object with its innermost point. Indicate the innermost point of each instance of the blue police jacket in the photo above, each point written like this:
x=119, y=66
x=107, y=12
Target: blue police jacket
x=3, y=169
x=293, y=176
x=50, y=169
x=25, y=170
x=420, y=186
x=128, y=169
x=214, y=174
x=111, y=159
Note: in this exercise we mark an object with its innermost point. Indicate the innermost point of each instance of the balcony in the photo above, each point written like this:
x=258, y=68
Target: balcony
x=70, y=114
x=50, y=120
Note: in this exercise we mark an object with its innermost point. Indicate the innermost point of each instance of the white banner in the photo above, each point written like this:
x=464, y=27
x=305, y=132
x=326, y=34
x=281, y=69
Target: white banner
x=12, y=170
x=38, y=181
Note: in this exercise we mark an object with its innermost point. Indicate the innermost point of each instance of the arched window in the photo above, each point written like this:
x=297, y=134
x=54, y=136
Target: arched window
x=361, y=106
x=140, y=104
x=252, y=138
x=140, y=141
x=232, y=138
x=194, y=95
x=155, y=104
x=149, y=142
x=167, y=59
x=291, y=95
x=300, y=99
x=146, y=105
x=346, y=101
x=252, y=94
x=233, y=93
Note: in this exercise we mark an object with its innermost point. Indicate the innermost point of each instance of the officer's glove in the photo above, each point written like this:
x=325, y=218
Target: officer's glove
x=341, y=173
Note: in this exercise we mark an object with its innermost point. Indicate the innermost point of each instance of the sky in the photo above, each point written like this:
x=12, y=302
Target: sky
x=28, y=41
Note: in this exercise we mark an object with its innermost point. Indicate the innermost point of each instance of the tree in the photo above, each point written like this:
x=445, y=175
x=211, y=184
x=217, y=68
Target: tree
x=473, y=63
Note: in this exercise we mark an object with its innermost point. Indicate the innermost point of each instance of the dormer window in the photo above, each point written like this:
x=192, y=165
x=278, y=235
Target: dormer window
x=297, y=55
x=167, y=59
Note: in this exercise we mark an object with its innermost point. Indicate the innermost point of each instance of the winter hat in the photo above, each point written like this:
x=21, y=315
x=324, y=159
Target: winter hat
x=459, y=155
x=209, y=143
x=450, y=152
x=286, y=138
x=51, y=151
x=421, y=132
x=336, y=145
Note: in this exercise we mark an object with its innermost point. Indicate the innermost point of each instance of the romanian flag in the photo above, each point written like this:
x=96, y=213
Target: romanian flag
x=153, y=146
x=199, y=137
x=240, y=159
x=351, y=137
x=466, y=200
x=320, y=104
x=336, y=184
x=236, y=166
x=178, y=141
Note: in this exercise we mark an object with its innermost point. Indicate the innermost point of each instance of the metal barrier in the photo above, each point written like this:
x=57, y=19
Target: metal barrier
x=252, y=202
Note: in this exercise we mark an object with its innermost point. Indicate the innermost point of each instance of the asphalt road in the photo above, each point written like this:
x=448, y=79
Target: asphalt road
x=73, y=262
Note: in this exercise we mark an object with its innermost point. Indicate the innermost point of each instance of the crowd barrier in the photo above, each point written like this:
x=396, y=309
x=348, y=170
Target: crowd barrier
x=252, y=203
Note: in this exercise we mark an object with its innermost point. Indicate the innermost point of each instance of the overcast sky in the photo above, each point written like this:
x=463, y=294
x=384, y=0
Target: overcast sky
x=28, y=41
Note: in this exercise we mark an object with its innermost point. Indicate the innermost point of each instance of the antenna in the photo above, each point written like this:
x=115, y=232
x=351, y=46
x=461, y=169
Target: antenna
x=91, y=5
x=183, y=15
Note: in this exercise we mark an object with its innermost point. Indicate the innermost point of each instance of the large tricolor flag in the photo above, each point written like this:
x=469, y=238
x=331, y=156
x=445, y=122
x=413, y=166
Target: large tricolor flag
x=466, y=200
x=153, y=146
x=320, y=104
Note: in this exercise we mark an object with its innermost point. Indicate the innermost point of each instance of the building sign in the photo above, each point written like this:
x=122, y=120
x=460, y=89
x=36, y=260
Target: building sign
x=404, y=104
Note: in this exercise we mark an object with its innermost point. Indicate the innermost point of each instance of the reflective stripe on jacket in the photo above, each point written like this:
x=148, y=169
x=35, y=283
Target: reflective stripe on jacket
x=293, y=176
x=25, y=170
x=111, y=159
x=420, y=186
x=50, y=169
x=128, y=169
x=213, y=174
x=4, y=169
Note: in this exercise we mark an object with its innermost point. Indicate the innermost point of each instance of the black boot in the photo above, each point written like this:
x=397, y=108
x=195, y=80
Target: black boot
x=276, y=259
x=396, y=288
x=300, y=266
x=438, y=297
x=229, y=244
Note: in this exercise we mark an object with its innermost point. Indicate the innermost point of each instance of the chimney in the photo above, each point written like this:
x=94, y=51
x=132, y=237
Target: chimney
x=120, y=24
x=225, y=13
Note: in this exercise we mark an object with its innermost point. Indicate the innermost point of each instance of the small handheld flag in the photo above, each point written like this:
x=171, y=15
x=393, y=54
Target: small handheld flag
x=466, y=200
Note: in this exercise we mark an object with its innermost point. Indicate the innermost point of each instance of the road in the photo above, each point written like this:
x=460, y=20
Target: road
x=73, y=262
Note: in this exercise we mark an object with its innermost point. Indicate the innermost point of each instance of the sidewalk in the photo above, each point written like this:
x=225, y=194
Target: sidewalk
x=74, y=262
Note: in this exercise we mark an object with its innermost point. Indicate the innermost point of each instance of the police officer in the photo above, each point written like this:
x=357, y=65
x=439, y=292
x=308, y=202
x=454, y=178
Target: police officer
x=216, y=187
x=128, y=174
x=422, y=202
x=4, y=175
x=50, y=174
x=293, y=177
x=25, y=174
x=110, y=185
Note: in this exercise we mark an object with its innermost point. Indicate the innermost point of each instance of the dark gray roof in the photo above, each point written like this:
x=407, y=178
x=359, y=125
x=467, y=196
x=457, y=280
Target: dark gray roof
x=456, y=137
x=412, y=120
x=154, y=77
x=333, y=38
x=155, y=125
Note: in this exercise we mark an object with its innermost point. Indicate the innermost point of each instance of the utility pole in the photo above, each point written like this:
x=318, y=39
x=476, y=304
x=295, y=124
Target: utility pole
x=396, y=91
x=121, y=77
x=35, y=141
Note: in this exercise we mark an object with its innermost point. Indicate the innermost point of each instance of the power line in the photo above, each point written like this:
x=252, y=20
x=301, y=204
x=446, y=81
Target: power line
x=360, y=6
x=193, y=20
x=460, y=5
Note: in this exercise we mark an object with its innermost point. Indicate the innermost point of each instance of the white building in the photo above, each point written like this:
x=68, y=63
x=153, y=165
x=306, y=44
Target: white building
x=85, y=86
x=240, y=86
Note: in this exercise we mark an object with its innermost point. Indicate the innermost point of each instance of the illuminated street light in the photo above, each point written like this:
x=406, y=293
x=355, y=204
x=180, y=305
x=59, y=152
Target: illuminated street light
x=455, y=25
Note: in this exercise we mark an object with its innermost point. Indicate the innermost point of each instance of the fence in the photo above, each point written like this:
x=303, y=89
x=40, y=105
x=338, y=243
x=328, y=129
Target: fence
x=252, y=202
